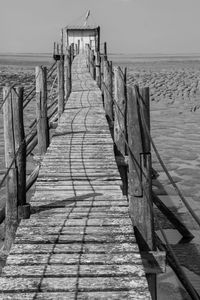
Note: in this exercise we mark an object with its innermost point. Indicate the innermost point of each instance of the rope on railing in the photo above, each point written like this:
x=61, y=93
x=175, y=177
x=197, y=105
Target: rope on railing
x=196, y=218
x=14, y=159
x=53, y=86
x=180, y=194
x=32, y=132
x=50, y=71
x=4, y=100
x=182, y=276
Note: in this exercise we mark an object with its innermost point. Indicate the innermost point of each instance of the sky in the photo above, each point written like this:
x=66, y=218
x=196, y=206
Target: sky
x=128, y=26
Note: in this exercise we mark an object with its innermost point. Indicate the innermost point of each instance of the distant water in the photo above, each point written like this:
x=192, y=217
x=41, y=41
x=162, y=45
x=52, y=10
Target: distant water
x=25, y=59
x=131, y=58
x=33, y=59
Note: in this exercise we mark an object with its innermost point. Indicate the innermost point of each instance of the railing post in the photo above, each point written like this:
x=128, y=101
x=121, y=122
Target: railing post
x=68, y=78
x=54, y=49
x=78, y=47
x=98, y=68
x=20, y=146
x=15, y=152
x=58, y=50
x=41, y=110
x=91, y=44
x=139, y=167
x=147, y=182
x=139, y=176
x=87, y=54
x=103, y=58
x=108, y=91
x=61, y=87
x=89, y=58
x=105, y=51
x=93, y=68
x=119, y=110
x=11, y=214
x=72, y=51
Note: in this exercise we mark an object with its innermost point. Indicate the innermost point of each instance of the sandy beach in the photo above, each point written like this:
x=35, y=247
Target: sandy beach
x=175, y=127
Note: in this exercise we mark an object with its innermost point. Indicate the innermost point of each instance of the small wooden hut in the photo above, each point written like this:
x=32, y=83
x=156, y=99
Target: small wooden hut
x=83, y=33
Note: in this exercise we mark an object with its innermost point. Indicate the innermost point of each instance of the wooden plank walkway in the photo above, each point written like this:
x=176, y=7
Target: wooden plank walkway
x=79, y=242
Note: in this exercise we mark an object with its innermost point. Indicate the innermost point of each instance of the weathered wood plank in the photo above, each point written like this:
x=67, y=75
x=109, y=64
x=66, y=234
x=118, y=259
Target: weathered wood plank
x=85, y=284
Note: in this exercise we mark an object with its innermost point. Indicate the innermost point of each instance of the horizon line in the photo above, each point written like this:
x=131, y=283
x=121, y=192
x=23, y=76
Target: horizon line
x=111, y=53
x=133, y=54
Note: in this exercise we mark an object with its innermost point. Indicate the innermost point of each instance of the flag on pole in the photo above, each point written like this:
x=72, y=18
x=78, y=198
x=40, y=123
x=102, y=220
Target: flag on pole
x=86, y=17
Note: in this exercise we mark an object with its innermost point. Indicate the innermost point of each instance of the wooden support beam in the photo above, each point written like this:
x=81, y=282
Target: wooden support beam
x=90, y=60
x=61, y=42
x=41, y=110
x=98, y=69
x=88, y=57
x=119, y=110
x=108, y=91
x=144, y=105
x=139, y=171
x=139, y=176
x=20, y=143
x=20, y=147
x=187, y=235
x=98, y=39
x=154, y=262
x=105, y=51
x=72, y=51
x=176, y=267
x=120, y=130
x=57, y=53
x=87, y=53
x=102, y=71
x=32, y=146
x=67, y=73
x=58, y=50
x=92, y=64
x=122, y=160
x=61, y=87
x=55, y=110
x=78, y=46
x=11, y=212
x=54, y=49
x=76, y=49
x=2, y=214
x=32, y=178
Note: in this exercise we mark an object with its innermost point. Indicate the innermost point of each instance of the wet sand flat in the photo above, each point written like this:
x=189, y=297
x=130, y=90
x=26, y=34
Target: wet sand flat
x=175, y=128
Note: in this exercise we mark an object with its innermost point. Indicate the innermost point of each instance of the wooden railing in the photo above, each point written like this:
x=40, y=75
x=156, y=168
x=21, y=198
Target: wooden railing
x=127, y=109
x=51, y=91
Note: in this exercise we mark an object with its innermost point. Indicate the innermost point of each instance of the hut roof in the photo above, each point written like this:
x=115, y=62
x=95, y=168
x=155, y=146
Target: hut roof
x=80, y=27
x=85, y=22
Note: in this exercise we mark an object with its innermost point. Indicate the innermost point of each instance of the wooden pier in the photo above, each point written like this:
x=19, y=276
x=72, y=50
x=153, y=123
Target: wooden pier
x=79, y=241
x=88, y=231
